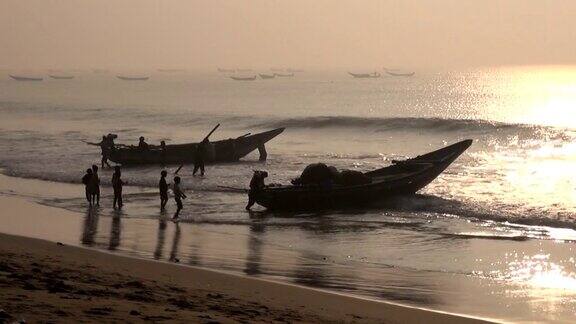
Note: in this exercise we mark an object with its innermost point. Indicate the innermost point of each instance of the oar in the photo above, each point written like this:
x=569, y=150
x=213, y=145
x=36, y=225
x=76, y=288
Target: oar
x=232, y=188
x=205, y=138
x=177, y=170
x=212, y=131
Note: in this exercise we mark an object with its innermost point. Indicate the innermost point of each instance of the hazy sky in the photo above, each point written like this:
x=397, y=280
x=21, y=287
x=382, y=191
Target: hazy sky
x=296, y=33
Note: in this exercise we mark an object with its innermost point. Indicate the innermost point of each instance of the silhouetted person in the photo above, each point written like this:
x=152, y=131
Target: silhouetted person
x=106, y=145
x=86, y=181
x=256, y=185
x=178, y=196
x=117, y=184
x=142, y=145
x=94, y=186
x=163, y=152
x=163, y=187
x=200, y=157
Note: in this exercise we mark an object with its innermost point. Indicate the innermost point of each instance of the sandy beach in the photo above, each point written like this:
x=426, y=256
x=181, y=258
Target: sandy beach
x=46, y=281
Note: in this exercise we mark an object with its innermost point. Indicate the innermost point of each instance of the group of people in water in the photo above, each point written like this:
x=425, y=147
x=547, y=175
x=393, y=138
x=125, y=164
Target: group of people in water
x=91, y=182
x=91, y=179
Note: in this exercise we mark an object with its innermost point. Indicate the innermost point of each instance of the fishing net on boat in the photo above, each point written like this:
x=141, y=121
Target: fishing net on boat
x=320, y=173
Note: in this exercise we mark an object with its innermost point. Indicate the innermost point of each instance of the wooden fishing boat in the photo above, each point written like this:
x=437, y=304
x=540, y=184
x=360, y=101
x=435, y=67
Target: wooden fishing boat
x=365, y=75
x=62, y=77
x=401, y=178
x=237, y=78
x=230, y=150
x=23, y=78
x=400, y=74
x=267, y=76
x=129, y=78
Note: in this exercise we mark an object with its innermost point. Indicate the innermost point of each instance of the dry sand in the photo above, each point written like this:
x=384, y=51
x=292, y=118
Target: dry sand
x=43, y=281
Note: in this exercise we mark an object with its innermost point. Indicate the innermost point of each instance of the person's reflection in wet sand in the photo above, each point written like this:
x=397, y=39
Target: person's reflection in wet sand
x=115, y=230
x=175, y=244
x=90, y=226
x=161, y=238
x=254, y=257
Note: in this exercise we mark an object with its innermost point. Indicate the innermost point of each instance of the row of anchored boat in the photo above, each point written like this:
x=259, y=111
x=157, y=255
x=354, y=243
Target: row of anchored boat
x=69, y=77
x=374, y=75
x=323, y=192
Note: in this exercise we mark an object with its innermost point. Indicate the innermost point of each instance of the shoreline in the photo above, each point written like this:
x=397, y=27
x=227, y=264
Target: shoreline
x=245, y=296
x=108, y=271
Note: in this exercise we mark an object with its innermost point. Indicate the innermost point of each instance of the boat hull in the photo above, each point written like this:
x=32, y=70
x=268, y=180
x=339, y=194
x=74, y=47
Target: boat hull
x=400, y=74
x=230, y=150
x=374, y=75
x=124, y=78
x=243, y=79
x=21, y=78
x=400, y=179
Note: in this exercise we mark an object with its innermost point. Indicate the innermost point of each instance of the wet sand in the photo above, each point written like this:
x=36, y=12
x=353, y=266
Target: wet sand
x=48, y=281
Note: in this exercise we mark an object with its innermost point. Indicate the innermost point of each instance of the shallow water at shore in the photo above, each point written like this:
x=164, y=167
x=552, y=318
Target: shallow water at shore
x=406, y=257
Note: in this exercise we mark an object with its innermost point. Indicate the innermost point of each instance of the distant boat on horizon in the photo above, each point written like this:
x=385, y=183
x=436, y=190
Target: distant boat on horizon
x=62, y=77
x=171, y=70
x=24, y=78
x=226, y=70
x=236, y=78
x=267, y=76
x=243, y=70
x=400, y=74
x=282, y=75
x=127, y=78
x=276, y=70
x=372, y=75
x=99, y=71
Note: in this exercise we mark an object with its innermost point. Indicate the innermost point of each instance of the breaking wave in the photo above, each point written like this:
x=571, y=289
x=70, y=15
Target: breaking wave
x=399, y=124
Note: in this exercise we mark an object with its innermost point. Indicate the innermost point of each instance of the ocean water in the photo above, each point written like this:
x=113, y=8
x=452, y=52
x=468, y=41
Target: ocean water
x=492, y=236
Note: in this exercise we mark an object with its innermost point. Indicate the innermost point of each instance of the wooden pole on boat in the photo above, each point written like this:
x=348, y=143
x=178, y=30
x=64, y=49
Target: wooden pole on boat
x=205, y=139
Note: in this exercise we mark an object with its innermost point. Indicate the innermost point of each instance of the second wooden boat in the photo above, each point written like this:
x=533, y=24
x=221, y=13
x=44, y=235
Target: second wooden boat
x=230, y=150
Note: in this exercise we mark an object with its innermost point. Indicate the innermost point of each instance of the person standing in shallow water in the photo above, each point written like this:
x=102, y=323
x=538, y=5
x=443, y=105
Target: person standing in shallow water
x=163, y=187
x=163, y=153
x=117, y=184
x=94, y=186
x=178, y=196
x=86, y=181
x=200, y=157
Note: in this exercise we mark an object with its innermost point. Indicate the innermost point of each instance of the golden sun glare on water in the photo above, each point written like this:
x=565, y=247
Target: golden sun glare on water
x=536, y=162
x=539, y=95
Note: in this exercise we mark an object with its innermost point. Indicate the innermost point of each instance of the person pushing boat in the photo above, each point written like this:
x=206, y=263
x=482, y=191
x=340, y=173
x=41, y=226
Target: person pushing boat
x=256, y=185
x=106, y=145
x=200, y=156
